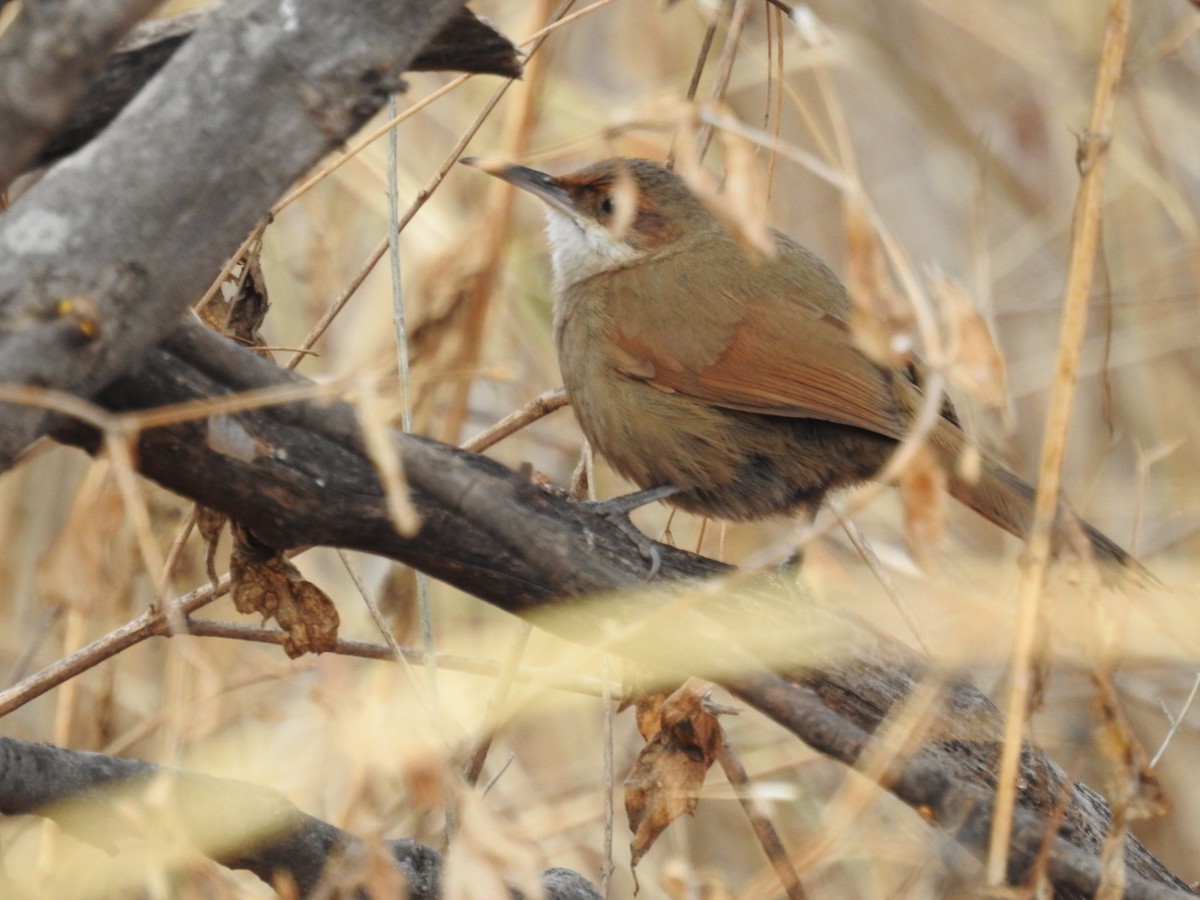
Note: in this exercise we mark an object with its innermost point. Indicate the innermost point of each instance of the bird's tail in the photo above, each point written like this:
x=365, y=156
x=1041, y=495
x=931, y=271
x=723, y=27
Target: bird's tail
x=1004, y=499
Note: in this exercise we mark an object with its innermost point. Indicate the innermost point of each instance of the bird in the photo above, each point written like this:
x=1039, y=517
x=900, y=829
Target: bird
x=728, y=386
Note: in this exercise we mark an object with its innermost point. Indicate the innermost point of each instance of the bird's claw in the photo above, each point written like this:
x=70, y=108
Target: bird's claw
x=617, y=510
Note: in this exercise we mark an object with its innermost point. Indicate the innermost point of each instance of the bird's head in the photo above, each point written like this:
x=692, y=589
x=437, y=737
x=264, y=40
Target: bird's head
x=610, y=215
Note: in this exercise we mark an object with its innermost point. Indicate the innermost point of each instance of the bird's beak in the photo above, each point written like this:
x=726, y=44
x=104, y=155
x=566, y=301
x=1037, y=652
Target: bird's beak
x=537, y=183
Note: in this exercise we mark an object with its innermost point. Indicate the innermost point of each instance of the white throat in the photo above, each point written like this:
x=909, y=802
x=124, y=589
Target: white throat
x=581, y=249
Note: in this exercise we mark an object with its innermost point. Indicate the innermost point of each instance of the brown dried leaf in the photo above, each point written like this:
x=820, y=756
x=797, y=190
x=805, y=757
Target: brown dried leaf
x=1131, y=785
x=239, y=308
x=923, y=496
x=977, y=366
x=666, y=779
x=266, y=583
x=648, y=710
x=881, y=320
x=249, y=306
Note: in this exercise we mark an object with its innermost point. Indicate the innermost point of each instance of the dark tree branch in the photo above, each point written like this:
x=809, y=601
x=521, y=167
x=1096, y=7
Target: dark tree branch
x=101, y=257
x=468, y=44
x=938, y=781
x=494, y=535
x=48, y=57
x=239, y=825
x=465, y=44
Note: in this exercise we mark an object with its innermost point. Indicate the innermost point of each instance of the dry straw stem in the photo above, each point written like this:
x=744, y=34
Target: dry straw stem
x=1092, y=158
x=477, y=286
x=373, y=420
x=737, y=23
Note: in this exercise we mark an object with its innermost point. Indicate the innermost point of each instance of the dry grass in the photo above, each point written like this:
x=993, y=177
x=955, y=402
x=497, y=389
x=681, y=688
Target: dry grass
x=951, y=122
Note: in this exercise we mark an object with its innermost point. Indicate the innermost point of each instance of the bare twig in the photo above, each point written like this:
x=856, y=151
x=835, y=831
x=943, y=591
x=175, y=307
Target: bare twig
x=539, y=407
x=473, y=665
x=534, y=42
x=1176, y=722
x=149, y=624
x=764, y=829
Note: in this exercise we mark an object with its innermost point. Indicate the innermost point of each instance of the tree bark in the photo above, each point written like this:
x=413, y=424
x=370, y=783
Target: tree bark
x=100, y=258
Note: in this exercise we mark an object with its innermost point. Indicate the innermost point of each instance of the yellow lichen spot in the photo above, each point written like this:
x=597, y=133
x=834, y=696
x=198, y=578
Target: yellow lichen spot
x=82, y=309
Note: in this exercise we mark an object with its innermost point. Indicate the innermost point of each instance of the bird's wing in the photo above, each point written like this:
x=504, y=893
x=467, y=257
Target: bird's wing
x=783, y=359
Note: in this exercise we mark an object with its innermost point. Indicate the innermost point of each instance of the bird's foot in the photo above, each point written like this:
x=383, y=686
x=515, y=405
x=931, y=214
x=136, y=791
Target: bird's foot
x=617, y=510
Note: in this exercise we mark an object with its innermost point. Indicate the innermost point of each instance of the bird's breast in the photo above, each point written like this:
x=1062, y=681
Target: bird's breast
x=649, y=435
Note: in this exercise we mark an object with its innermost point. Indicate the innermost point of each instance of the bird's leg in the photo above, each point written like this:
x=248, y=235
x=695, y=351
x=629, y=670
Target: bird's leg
x=617, y=510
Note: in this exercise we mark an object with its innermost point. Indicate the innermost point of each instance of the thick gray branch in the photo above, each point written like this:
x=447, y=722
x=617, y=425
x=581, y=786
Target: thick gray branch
x=48, y=58
x=465, y=44
x=99, y=260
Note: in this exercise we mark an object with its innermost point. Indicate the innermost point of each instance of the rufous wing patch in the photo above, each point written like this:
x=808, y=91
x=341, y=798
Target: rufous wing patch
x=796, y=369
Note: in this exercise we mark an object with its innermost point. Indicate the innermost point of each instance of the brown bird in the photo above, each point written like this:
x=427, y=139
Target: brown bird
x=734, y=387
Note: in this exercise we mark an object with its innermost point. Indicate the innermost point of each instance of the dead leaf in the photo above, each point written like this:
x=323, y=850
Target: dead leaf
x=977, y=365
x=923, y=496
x=881, y=319
x=741, y=205
x=648, y=709
x=266, y=583
x=666, y=779
x=239, y=308
x=1130, y=784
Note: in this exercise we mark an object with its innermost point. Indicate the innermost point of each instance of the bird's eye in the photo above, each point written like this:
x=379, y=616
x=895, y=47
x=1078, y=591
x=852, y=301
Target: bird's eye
x=606, y=206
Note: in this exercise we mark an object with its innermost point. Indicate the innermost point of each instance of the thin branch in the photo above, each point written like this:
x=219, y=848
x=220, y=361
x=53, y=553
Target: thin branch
x=546, y=678
x=539, y=407
x=737, y=22
x=1176, y=722
x=149, y=624
x=764, y=829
